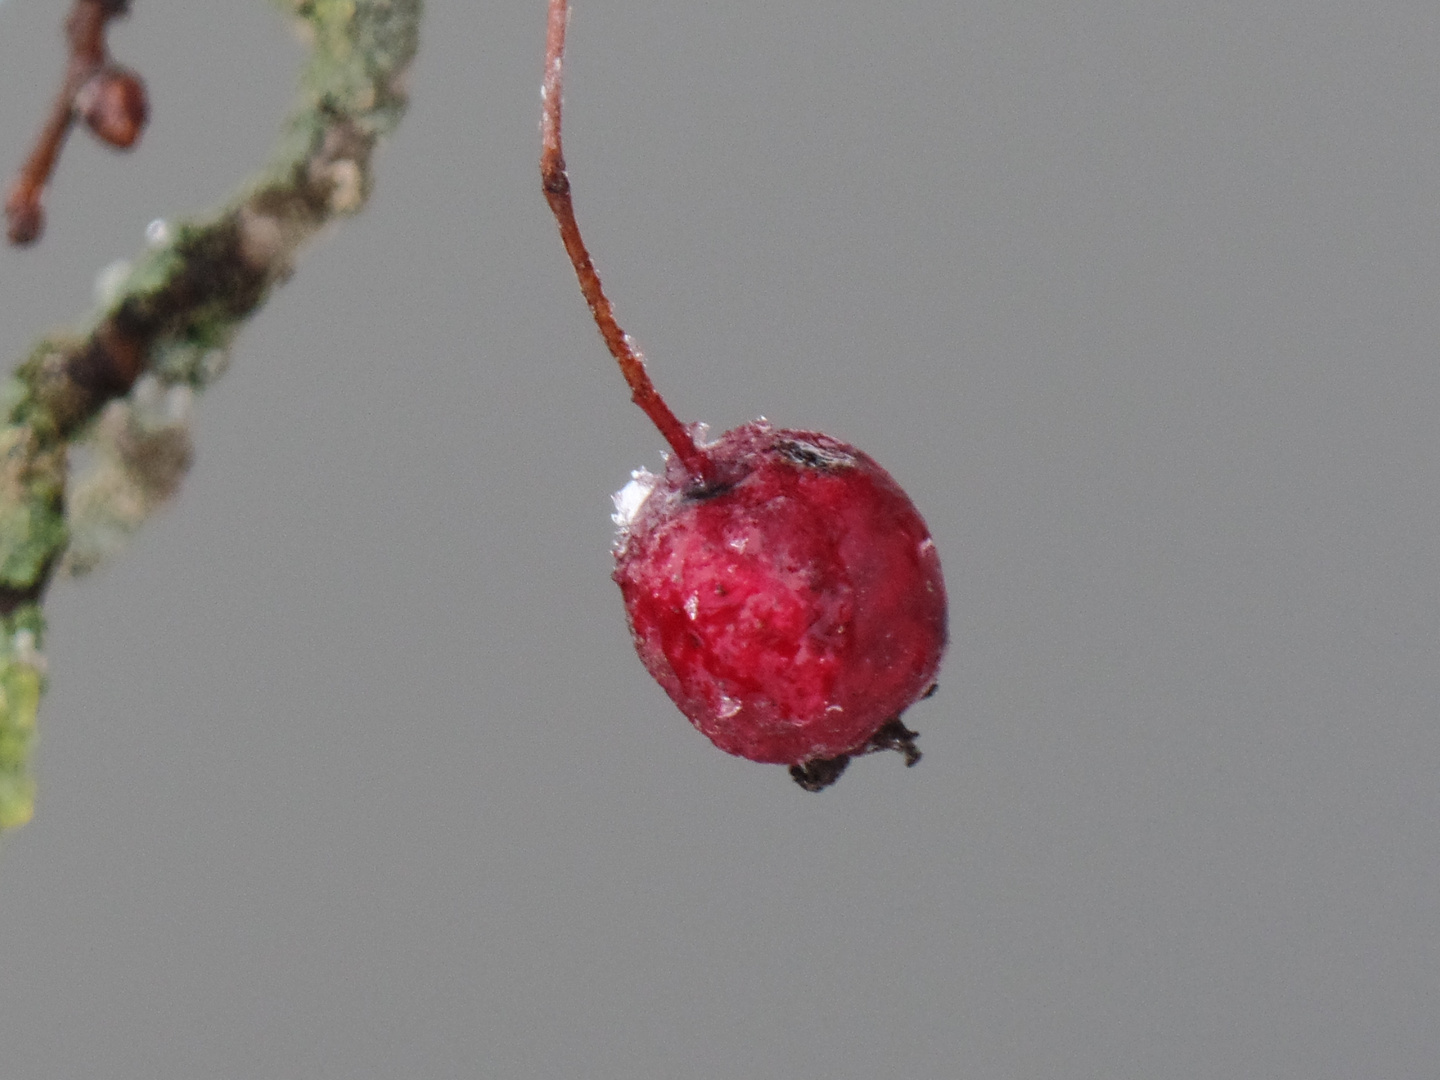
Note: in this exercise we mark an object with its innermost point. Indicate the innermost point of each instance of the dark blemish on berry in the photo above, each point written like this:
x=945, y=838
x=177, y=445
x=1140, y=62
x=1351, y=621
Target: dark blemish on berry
x=701, y=490
x=928, y=694
x=812, y=457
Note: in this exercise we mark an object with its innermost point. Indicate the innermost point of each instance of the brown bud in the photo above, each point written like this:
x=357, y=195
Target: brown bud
x=113, y=105
x=24, y=215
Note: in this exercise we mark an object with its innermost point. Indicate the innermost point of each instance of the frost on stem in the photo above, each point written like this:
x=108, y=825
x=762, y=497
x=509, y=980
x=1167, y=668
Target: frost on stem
x=112, y=400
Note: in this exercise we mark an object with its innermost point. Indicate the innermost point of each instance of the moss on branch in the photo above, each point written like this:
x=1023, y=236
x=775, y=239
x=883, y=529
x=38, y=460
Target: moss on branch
x=121, y=385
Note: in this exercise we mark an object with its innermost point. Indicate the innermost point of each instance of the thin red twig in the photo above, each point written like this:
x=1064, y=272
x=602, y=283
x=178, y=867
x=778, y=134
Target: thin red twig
x=557, y=193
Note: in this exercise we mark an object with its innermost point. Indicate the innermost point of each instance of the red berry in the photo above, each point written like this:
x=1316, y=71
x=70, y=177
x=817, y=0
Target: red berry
x=792, y=607
x=113, y=104
x=779, y=585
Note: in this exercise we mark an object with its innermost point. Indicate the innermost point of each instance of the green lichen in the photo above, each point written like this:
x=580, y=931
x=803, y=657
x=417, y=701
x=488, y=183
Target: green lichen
x=32, y=525
x=165, y=329
x=22, y=680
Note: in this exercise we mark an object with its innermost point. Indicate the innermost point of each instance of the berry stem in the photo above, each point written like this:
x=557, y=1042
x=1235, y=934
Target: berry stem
x=557, y=193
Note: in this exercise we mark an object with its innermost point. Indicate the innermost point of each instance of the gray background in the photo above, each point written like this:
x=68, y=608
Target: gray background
x=349, y=769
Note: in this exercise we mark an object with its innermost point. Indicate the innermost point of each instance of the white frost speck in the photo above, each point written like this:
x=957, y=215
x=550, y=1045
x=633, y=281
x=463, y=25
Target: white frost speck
x=157, y=233
x=179, y=405
x=27, y=652
x=834, y=708
x=927, y=545
x=629, y=499
x=109, y=282
x=633, y=347
x=692, y=606
x=728, y=707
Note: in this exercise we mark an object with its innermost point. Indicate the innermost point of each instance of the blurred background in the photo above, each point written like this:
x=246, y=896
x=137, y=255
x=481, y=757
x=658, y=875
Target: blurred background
x=348, y=768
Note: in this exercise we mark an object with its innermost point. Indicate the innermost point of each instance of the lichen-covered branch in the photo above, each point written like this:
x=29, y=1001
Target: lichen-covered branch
x=119, y=388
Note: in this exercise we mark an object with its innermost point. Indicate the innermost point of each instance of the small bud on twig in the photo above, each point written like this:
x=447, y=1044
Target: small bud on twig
x=113, y=105
x=25, y=215
x=110, y=99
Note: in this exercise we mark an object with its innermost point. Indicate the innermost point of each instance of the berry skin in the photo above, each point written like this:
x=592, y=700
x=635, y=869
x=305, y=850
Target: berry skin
x=793, y=607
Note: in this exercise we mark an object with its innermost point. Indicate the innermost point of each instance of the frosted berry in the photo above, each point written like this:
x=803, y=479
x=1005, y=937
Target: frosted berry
x=780, y=586
x=113, y=105
x=792, y=606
